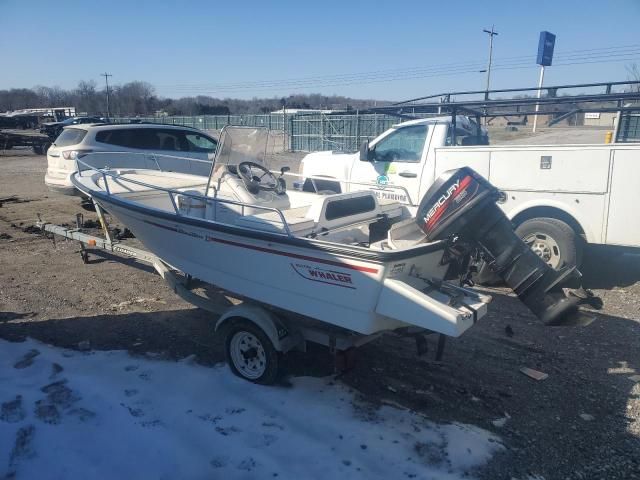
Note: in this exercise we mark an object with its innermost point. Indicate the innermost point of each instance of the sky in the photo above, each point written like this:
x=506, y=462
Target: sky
x=244, y=49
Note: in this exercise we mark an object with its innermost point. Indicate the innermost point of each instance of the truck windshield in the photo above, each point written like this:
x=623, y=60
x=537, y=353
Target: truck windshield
x=403, y=145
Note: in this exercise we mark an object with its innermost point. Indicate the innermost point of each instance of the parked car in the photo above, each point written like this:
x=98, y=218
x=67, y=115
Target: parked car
x=169, y=147
x=53, y=129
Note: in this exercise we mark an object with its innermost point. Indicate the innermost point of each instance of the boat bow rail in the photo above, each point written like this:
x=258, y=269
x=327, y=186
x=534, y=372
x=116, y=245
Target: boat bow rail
x=84, y=169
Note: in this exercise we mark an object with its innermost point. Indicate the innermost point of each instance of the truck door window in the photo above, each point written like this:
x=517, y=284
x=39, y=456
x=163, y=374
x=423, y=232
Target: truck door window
x=403, y=145
x=464, y=139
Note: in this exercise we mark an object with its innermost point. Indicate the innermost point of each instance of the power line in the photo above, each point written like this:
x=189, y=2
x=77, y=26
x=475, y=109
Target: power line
x=332, y=80
x=414, y=76
x=386, y=75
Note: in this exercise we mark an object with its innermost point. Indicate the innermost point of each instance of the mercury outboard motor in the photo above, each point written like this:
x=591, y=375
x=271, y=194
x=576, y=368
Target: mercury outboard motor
x=461, y=204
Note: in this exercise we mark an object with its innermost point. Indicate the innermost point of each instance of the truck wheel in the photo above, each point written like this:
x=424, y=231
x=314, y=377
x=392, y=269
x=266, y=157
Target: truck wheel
x=552, y=240
x=250, y=353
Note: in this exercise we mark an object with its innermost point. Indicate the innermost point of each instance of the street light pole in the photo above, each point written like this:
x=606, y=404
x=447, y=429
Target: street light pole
x=106, y=80
x=492, y=33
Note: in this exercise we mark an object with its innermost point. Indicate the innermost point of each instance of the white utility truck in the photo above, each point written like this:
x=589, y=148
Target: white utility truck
x=558, y=196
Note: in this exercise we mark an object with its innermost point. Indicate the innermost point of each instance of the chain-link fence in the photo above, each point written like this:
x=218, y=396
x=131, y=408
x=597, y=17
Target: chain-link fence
x=338, y=132
x=343, y=133
x=304, y=132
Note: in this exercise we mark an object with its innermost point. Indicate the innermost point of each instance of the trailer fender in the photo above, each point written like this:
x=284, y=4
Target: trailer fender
x=281, y=336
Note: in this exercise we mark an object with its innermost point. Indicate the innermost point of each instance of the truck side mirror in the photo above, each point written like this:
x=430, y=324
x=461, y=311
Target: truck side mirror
x=365, y=153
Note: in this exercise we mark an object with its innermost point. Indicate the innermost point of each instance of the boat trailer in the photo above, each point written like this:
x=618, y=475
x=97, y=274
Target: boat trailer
x=269, y=331
x=10, y=138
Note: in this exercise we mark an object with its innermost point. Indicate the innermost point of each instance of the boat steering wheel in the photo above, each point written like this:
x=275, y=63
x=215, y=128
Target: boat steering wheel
x=256, y=177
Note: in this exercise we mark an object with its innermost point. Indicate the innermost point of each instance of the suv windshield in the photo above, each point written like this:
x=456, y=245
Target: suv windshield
x=403, y=145
x=70, y=136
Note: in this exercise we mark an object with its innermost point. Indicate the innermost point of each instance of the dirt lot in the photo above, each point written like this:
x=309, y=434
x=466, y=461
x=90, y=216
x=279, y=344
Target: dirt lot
x=582, y=422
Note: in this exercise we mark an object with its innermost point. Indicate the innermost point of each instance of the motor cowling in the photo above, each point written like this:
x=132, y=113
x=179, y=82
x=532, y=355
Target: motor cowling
x=461, y=205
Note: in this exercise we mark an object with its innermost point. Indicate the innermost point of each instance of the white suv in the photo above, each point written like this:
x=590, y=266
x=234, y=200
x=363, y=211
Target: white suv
x=175, y=148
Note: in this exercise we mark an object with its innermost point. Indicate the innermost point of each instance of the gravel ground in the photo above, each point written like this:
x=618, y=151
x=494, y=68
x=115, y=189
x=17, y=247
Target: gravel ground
x=582, y=422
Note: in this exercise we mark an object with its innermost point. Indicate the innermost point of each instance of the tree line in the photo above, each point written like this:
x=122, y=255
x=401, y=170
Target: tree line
x=140, y=98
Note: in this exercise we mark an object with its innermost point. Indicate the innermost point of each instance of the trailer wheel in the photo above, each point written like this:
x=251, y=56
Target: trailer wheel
x=552, y=240
x=250, y=353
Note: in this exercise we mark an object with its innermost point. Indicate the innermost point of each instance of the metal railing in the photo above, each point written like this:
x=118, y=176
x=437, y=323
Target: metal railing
x=105, y=174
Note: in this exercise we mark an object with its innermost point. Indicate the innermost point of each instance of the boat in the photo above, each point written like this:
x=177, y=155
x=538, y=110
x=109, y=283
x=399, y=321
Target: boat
x=350, y=260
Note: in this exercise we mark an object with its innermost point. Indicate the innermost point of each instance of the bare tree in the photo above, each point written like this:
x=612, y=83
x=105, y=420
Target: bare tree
x=139, y=98
x=633, y=74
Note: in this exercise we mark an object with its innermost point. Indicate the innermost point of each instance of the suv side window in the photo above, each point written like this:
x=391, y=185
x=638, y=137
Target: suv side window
x=145, y=139
x=120, y=137
x=141, y=138
x=404, y=145
x=200, y=143
x=171, y=140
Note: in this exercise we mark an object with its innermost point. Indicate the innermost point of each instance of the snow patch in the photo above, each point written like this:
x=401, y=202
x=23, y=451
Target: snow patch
x=109, y=415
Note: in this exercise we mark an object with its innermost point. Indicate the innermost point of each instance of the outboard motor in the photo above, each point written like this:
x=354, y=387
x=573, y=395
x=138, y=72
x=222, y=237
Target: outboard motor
x=461, y=204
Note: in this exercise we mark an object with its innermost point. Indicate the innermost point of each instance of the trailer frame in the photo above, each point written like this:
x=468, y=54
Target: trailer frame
x=10, y=138
x=285, y=330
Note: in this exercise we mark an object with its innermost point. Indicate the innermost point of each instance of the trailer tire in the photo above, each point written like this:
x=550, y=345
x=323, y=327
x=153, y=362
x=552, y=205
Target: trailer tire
x=250, y=353
x=553, y=240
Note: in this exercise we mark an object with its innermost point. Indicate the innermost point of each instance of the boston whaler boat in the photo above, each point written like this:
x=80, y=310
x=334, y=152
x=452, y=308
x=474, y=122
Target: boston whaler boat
x=349, y=260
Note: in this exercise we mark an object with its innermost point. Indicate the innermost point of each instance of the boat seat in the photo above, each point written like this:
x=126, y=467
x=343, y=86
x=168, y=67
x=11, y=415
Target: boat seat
x=333, y=211
x=270, y=221
x=390, y=208
x=405, y=234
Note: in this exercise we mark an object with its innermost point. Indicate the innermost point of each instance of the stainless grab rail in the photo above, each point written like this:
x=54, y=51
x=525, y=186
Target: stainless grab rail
x=171, y=192
x=144, y=154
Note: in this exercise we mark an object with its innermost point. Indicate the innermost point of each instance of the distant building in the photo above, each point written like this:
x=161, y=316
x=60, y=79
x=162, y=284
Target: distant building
x=295, y=111
x=600, y=119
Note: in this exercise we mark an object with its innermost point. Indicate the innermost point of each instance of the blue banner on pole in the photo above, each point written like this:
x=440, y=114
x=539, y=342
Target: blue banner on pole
x=545, y=48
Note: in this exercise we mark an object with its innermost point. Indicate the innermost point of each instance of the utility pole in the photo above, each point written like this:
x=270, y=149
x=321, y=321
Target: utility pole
x=106, y=80
x=492, y=33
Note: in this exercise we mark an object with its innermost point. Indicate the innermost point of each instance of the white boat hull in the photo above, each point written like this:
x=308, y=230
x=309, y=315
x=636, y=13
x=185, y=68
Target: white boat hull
x=357, y=294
